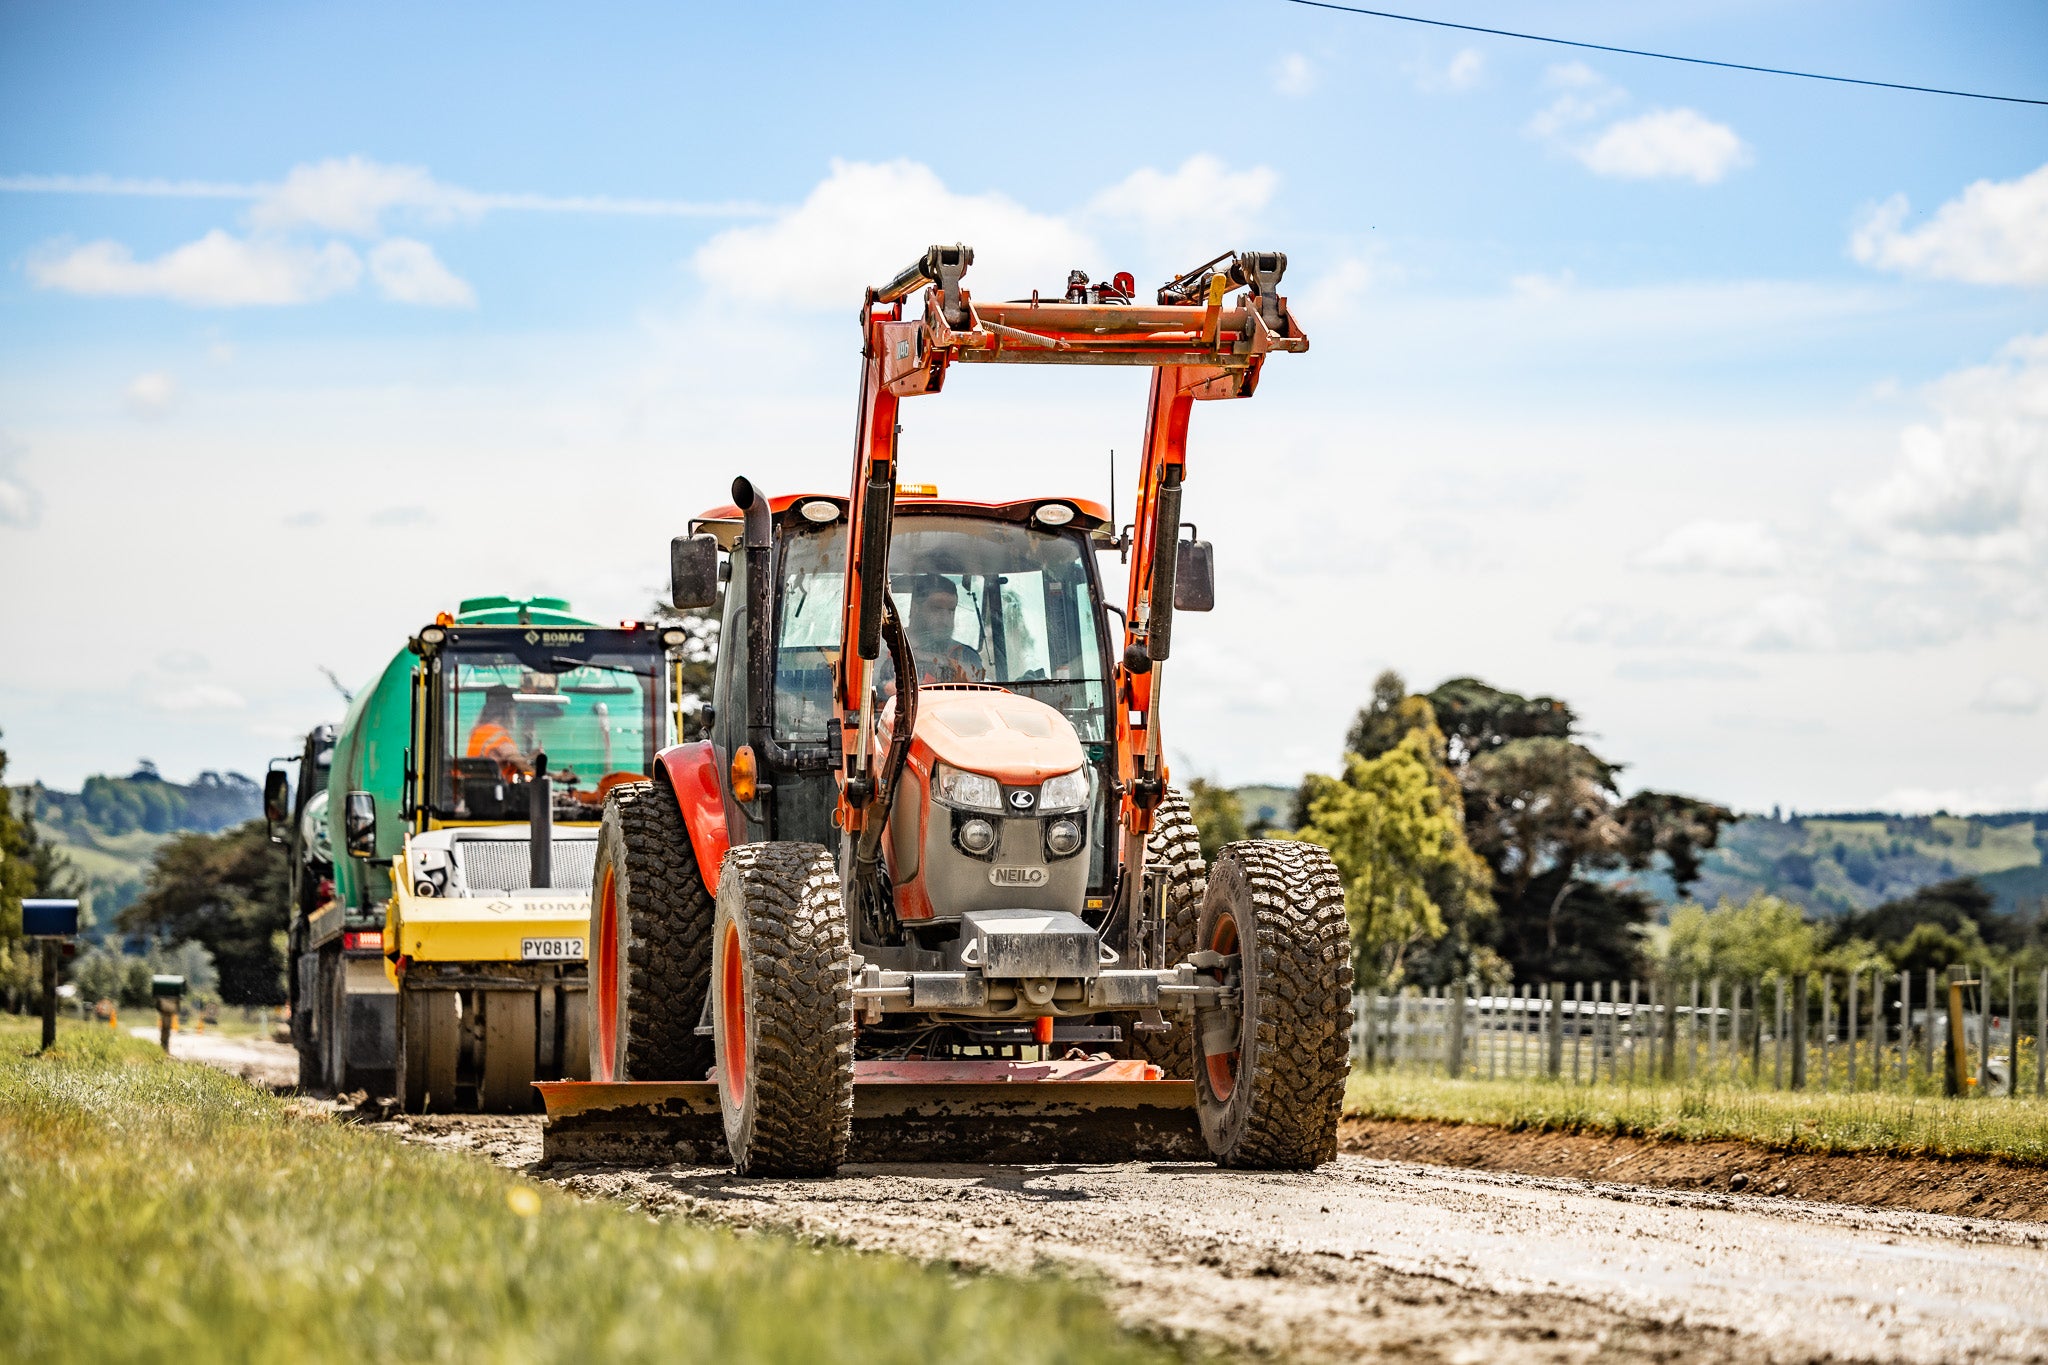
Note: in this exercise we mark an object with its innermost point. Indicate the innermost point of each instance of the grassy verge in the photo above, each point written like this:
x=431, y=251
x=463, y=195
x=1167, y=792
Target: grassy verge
x=151, y=1210
x=2016, y=1130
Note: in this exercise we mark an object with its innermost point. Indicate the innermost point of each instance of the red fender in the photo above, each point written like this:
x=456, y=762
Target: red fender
x=692, y=771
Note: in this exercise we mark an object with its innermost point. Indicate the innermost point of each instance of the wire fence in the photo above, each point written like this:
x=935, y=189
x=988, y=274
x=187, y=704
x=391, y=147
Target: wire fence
x=1822, y=1031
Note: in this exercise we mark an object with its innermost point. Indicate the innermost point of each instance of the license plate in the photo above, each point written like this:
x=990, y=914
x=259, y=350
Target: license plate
x=551, y=949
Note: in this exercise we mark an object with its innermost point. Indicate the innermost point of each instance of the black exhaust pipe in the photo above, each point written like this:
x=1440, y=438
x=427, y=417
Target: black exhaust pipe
x=540, y=822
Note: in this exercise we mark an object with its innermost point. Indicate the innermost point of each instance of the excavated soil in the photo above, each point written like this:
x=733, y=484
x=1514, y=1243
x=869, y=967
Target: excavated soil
x=1964, y=1187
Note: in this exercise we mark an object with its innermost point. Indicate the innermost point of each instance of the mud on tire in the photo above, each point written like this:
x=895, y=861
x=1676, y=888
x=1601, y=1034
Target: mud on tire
x=1270, y=1083
x=650, y=960
x=782, y=1008
x=1175, y=847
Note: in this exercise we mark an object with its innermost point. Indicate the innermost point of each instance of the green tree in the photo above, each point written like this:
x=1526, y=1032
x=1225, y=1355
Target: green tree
x=1546, y=814
x=1398, y=839
x=17, y=880
x=1761, y=937
x=1219, y=815
x=230, y=893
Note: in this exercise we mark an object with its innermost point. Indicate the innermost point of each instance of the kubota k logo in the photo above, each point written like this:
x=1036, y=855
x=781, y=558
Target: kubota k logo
x=1022, y=800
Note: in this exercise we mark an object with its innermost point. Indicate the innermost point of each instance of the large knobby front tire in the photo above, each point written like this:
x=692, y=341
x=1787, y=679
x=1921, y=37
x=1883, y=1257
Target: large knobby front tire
x=782, y=1010
x=1175, y=849
x=650, y=941
x=1269, y=1079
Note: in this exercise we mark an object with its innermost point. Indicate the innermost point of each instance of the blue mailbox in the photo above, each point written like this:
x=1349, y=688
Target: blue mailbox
x=49, y=919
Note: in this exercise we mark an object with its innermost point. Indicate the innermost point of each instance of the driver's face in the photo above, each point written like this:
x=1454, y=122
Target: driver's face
x=931, y=618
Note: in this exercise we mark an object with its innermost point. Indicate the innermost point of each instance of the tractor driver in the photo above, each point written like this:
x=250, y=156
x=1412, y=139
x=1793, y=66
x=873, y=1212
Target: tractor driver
x=491, y=736
x=934, y=604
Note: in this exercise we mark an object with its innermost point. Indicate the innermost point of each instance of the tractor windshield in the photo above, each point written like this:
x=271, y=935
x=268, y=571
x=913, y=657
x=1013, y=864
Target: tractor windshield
x=981, y=600
x=595, y=713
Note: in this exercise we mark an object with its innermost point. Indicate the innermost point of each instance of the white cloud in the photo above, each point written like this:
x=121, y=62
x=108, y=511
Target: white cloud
x=1996, y=233
x=408, y=271
x=20, y=504
x=1736, y=548
x=1584, y=95
x=151, y=395
x=1294, y=75
x=352, y=195
x=1784, y=621
x=1662, y=144
x=865, y=221
x=1462, y=72
x=201, y=697
x=218, y=270
x=1666, y=144
x=2008, y=694
x=1335, y=292
x=1973, y=485
x=1200, y=207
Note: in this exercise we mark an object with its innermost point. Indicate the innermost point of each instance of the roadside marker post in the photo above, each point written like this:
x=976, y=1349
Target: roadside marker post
x=53, y=923
x=168, y=990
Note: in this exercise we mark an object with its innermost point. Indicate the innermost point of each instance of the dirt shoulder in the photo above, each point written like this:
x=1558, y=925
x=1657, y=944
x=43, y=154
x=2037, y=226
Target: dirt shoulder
x=1963, y=1187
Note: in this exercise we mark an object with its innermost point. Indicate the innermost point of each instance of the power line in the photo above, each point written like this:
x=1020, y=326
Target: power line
x=1663, y=56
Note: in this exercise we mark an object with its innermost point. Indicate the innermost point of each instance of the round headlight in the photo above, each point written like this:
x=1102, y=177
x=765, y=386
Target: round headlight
x=819, y=510
x=1062, y=838
x=977, y=835
x=1055, y=513
x=674, y=639
x=433, y=635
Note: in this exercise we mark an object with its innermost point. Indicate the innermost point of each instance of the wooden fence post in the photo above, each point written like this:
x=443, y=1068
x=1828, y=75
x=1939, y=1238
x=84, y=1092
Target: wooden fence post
x=1554, y=1014
x=1984, y=1033
x=1798, y=1023
x=1849, y=1020
x=1933, y=983
x=1454, y=1046
x=2012, y=1031
x=1635, y=1026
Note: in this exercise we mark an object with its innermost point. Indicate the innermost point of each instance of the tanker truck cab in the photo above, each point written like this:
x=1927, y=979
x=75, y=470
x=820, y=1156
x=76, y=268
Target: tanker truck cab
x=521, y=723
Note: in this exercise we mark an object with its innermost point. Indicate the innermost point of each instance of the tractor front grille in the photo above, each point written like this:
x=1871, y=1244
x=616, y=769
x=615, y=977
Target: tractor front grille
x=507, y=864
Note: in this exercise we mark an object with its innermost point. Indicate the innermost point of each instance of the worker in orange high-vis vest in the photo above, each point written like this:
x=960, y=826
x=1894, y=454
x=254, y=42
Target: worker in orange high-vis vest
x=491, y=736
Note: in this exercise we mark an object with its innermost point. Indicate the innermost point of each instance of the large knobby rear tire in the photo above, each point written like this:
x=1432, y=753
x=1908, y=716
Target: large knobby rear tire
x=1175, y=849
x=782, y=1010
x=650, y=939
x=1270, y=1080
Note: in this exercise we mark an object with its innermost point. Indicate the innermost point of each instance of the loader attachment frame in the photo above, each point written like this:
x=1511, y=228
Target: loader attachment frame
x=1200, y=342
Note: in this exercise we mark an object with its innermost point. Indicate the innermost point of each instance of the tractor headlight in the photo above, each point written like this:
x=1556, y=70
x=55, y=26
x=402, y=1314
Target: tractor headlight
x=1068, y=791
x=975, y=791
x=1063, y=838
x=977, y=836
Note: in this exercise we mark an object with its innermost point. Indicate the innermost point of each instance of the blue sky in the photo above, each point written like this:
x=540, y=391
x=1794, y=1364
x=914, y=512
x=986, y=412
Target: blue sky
x=1713, y=402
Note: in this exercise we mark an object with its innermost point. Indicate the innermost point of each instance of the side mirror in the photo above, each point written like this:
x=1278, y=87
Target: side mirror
x=1194, y=578
x=692, y=572
x=359, y=825
x=277, y=796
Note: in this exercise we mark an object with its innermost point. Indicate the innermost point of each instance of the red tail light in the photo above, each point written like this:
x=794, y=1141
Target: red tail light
x=372, y=939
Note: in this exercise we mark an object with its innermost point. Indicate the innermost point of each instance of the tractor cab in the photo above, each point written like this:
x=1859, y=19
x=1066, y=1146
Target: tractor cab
x=1002, y=607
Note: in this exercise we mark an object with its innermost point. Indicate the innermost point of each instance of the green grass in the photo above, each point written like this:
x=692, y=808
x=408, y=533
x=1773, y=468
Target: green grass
x=153, y=1210
x=2016, y=1130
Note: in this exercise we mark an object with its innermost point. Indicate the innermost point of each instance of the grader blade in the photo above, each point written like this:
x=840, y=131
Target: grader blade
x=1005, y=1113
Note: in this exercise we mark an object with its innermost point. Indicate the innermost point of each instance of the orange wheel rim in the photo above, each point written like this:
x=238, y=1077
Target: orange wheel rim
x=607, y=976
x=1221, y=1067
x=732, y=1010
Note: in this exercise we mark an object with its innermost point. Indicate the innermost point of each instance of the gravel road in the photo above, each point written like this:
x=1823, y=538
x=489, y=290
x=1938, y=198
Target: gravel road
x=1423, y=1262
x=1384, y=1257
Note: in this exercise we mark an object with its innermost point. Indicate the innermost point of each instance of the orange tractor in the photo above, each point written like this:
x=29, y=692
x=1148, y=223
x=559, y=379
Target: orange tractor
x=923, y=891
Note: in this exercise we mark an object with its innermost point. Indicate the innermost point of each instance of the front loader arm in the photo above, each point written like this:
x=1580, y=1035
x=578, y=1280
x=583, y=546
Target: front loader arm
x=1200, y=344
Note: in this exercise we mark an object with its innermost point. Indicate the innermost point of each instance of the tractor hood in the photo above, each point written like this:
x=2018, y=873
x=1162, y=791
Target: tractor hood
x=1016, y=740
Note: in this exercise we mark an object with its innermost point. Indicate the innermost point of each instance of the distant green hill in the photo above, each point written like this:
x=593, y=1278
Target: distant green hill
x=112, y=827
x=1835, y=863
